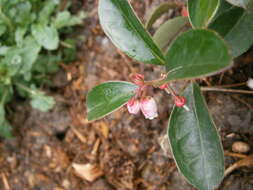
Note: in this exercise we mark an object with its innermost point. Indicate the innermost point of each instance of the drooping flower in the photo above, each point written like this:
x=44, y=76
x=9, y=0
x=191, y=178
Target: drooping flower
x=184, y=12
x=133, y=106
x=180, y=101
x=149, y=107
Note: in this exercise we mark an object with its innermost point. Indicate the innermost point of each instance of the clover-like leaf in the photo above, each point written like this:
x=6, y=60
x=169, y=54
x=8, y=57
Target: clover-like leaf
x=40, y=101
x=201, y=12
x=107, y=97
x=64, y=19
x=195, y=142
x=46, y=36
x=127, y=33
x=197, y=53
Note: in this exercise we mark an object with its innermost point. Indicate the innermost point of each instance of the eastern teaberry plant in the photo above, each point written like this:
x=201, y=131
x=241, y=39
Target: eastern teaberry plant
x=201, y=42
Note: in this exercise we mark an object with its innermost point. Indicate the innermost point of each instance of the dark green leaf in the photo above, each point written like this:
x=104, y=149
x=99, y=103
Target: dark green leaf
x=236, y=27
x=158, y=12
x=240, y=3
x=201, y=12
x=224, y=6
x=127, y=33
x=47, y=36
x=107, y=97
x=225, y=22
x=168, y=31
x=197, y=53
x=195, y=142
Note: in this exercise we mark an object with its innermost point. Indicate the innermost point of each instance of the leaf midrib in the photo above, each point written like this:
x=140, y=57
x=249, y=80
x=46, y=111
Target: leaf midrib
x=200, y=137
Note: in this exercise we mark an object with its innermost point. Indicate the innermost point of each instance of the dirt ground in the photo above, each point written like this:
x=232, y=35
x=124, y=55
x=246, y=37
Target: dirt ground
x=60, y=150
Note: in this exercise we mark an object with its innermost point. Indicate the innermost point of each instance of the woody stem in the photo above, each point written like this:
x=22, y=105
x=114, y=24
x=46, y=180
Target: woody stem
x=169, y=90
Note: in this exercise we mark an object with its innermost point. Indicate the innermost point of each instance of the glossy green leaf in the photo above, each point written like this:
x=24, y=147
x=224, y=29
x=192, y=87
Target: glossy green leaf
x=46, y=36
x=195, y=142
x=240, y=3
x=201, y=12
x=107, y=97
x=127, y=33
x=197, y=53
x=168, y=31
x=225, y=22
x=224, y=6
x=158, y=12
x=236, y=26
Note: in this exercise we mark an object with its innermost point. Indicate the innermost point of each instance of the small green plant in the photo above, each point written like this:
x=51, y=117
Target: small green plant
x=200, y=43
x=30, y=39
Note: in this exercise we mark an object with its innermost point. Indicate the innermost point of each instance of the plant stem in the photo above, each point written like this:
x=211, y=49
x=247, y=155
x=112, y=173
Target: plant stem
x=170, y=90
x=25, y=88
x=4, y=96
x=226, y=90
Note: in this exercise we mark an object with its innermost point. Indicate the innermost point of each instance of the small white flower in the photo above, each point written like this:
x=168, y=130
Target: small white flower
x=133, y=106
x=149, y=107
x=250, y=83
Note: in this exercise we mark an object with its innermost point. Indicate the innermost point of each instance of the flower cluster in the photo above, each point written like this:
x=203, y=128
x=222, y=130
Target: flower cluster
x=147, y=104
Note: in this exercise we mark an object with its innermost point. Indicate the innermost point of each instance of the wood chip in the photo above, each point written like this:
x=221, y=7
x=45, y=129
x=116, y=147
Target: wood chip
x=89, y=172
x=5, y=182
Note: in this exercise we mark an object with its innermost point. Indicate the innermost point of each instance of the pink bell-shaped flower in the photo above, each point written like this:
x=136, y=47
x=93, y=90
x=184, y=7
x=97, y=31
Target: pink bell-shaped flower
x=149, y=107
x=180, y=101
x=184, y=12
x=133, y=106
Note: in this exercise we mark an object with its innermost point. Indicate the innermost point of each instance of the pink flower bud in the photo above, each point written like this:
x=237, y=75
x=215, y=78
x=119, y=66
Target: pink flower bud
x=137, y=79
x=180, y=101
x=164, y=86
x=184, y=12
x=149, y=108
x=133, y=106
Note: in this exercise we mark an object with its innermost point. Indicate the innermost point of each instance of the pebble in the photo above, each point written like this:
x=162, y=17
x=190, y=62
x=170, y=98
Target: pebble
x=240, y=147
